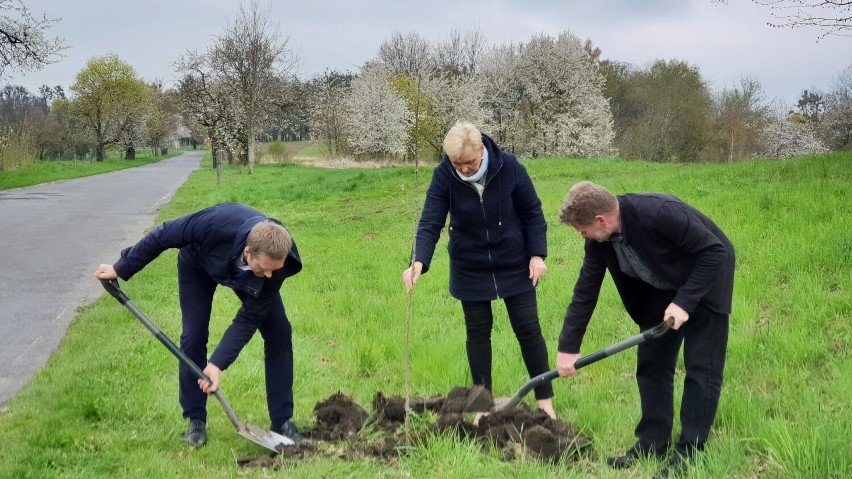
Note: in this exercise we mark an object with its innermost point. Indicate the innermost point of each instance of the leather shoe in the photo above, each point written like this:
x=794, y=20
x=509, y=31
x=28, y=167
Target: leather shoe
x=631, y=457
x=196, y=433
x=288, y=429
x=676, y=467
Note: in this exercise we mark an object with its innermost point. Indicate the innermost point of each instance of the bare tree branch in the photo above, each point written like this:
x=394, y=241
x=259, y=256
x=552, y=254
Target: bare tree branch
x=833, y=17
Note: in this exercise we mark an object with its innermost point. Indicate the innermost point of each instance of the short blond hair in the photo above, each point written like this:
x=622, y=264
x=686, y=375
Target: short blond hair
x=460, y=135
x=584, y=201
x=269, y=238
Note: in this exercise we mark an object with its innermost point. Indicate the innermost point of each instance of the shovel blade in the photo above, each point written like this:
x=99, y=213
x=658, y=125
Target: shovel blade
x=268, y=439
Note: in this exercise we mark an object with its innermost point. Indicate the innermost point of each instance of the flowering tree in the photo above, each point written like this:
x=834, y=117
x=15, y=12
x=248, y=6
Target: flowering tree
x=552, y=92
x=234, y=87
x=438, y=84
x=252, y=58
x=204, y=99
x=503, y=89
x=453, y=98
x=23, y=44
x=784, y=139
x=377, y=118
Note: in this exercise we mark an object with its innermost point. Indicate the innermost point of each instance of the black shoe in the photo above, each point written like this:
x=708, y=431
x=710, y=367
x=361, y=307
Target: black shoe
x=676, y=467
x=289, y=430
x=631, y=457
x=196, y=433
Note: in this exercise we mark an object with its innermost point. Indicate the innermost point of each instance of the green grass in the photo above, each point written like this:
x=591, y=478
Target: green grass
x=106, y=403
x=313, y=150
x=47, y=171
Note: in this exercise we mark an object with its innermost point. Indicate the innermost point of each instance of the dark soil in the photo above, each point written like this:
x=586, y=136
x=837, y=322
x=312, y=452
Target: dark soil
x=341, y=424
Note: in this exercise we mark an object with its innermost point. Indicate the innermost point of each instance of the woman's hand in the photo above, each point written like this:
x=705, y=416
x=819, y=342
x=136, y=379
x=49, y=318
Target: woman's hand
x=411, y=275
x=565, y=363
x=537, y=269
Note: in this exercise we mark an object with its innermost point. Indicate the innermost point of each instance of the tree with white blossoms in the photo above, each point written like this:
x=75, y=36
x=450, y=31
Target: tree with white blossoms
x=453, y=98
x=785, y=139
x=205, y=100
x=253, y=60
x=240, y=81
x=556, y=90
x=377, y=119
x=410, y=60
x=24, y=46
x=130, y=129
x=438, y=83
x=503, y=89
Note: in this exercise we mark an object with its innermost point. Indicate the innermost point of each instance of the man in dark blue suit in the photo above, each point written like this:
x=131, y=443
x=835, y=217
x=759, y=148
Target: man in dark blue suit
x=667, y=259
x=236, y=246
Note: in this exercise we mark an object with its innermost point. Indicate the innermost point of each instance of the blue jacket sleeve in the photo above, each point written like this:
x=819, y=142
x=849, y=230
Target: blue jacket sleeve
x=249, y=318
x=434, y=217
x=171, y=234
x=529, y=207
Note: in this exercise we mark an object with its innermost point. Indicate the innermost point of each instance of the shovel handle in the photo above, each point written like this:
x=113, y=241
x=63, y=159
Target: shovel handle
x=596, y=356
x=112, y=288
x=652, y=333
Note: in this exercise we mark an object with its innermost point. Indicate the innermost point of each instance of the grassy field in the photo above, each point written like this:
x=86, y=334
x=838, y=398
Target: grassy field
x=47, y=171
x=106, y=403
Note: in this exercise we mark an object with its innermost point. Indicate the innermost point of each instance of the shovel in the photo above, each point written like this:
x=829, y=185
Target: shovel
x=533, y=383
x=268, y=439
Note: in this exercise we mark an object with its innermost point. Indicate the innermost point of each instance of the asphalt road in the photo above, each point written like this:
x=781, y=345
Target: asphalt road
x=52, y=238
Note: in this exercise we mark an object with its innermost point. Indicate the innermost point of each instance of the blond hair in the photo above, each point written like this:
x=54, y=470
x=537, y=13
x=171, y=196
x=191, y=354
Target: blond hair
x=460, y=135
x=584, y=201
x=269, y=238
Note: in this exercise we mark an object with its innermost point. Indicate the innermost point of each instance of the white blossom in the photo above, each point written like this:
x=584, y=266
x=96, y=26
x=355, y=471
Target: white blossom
x=785, y=139
x=377, y=119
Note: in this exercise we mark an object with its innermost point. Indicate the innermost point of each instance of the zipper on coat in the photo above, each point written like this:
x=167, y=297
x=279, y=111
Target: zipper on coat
x=485, y=220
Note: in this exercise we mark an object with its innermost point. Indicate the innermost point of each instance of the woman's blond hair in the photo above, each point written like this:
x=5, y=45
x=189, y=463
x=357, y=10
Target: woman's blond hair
x=460, y=135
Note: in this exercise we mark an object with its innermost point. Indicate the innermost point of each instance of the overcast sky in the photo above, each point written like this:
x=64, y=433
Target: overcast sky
x=726, y=42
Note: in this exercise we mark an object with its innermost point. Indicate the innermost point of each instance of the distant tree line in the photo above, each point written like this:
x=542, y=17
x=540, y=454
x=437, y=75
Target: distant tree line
x=548, y=96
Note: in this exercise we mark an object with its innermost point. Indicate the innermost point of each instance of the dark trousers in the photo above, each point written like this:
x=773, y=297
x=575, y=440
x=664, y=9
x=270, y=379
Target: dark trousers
x=196, y=290
x=704, y=338
x=523, y=315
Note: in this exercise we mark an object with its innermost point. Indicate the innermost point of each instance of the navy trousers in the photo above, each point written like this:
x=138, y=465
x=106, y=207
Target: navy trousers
x=196, y=289
x=704, y=338
x=523, y=315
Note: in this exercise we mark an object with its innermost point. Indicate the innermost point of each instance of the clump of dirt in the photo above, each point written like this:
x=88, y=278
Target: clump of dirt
x=475, y=399
x=540, y=435
x=338, y=418
x=340, y=422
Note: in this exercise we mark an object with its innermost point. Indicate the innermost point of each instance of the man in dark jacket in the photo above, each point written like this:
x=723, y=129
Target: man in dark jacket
x=667, y=260
x=497, y=246
x=236, y=246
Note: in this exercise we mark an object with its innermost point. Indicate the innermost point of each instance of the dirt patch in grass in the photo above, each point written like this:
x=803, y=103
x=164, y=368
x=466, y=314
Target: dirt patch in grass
x=344, y=429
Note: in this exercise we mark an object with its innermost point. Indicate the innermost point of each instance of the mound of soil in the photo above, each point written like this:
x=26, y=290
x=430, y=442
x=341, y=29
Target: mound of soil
x=340, y=422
